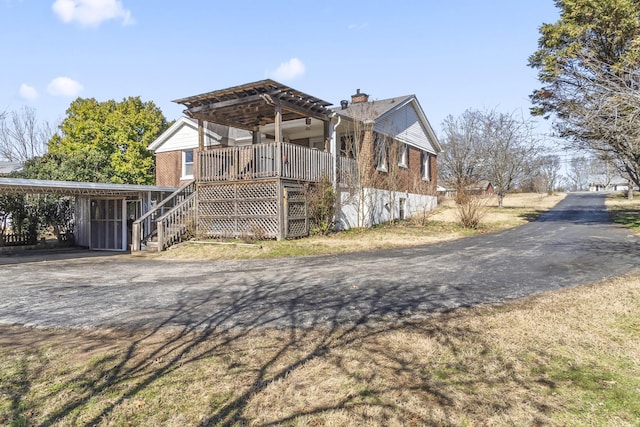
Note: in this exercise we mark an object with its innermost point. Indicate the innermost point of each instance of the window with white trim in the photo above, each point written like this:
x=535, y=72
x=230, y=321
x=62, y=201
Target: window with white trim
x=380, y=154
x=403, y=158
x=187, y=164
x=426, y=166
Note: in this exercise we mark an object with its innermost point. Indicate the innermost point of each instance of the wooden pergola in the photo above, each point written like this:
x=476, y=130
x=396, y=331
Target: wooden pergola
x=252, y=105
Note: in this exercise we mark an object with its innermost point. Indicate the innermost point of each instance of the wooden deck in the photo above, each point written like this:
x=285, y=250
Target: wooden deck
x=271, y=160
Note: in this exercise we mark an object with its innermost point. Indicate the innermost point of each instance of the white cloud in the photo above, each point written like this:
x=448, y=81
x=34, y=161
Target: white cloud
x=64, y=86
x=288, y=70
x=90, y=13
x=28, y=92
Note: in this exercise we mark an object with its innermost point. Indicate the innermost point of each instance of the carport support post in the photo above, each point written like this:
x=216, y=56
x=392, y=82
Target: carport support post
x=160, y=229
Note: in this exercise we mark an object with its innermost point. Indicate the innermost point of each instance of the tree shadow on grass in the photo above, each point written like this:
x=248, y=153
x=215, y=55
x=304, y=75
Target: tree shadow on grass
x=626, y=216
x=531, y=216
x=379, y=380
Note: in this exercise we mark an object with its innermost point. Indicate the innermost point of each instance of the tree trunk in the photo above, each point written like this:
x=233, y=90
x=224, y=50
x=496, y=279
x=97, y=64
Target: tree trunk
x=500, y=200
x=630, y=190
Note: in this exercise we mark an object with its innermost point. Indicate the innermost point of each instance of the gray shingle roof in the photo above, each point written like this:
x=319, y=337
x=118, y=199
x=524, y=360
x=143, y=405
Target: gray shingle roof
x=370, y=110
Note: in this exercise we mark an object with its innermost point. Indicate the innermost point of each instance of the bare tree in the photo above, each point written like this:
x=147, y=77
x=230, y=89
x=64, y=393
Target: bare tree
x=602, y=171
x=358, y=143
x=461, y=162
x=549, y=171
x=578, y=173
x=510, y=148
x=22, y=137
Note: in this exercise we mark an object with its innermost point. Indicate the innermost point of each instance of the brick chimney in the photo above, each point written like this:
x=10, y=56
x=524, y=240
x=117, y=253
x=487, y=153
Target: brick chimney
x=359, y=97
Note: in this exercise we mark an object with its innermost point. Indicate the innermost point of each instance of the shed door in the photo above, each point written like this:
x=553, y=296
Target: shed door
x=108, y=225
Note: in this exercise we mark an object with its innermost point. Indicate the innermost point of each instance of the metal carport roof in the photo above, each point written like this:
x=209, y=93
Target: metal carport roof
x=72, y=188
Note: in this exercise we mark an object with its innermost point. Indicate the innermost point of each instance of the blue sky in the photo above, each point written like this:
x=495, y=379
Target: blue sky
x=453, y=55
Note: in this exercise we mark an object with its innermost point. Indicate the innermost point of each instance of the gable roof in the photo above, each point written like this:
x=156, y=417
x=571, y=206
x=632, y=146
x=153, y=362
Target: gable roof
x=379, y=110
x=185, y=121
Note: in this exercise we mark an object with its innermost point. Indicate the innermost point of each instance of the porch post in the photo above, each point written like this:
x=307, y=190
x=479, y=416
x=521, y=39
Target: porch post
x=333, y=146
x=200, y=134
x=255, y=135
x=327, y=134
x=278, y=132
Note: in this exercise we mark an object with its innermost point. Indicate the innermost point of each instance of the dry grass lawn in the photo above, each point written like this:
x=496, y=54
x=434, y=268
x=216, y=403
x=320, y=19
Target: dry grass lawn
x=565, y=358
x=442, y=225
x=570, y=357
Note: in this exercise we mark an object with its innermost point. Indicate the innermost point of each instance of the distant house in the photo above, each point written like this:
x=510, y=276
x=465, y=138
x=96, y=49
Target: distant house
x=483, y=188
x=480, y=188
x=608, y=183
x=7, y=168
x=245, y=156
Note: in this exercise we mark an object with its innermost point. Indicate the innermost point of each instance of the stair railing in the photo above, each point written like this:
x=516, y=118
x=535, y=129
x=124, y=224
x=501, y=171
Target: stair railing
x=145, y=227
x=178, y=222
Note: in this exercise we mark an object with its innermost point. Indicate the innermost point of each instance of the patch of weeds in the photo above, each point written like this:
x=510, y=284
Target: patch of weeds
x=626, y=216
x=624, y=211
x=602, y=392
x=629, y=325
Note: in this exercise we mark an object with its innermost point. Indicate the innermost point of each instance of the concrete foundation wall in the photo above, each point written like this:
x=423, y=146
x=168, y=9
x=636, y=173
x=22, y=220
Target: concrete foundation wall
x=372, y=206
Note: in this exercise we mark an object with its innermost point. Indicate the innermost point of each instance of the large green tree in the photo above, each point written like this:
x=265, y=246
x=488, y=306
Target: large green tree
x=588, y=63
x=104, y=142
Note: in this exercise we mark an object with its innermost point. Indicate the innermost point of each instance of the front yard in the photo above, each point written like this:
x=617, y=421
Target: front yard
x=570, y=357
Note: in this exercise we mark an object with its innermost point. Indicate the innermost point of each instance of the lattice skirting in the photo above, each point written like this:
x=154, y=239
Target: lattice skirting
x=251, y=208
x=296, y=217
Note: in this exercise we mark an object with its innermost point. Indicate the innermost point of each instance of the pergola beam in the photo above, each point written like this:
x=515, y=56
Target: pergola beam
x=254, y=104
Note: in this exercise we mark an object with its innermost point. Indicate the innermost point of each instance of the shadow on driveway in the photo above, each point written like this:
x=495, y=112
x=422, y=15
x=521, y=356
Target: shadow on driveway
x=55, y=254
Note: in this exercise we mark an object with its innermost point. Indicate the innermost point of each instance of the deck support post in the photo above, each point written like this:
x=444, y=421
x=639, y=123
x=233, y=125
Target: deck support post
x=282, y=205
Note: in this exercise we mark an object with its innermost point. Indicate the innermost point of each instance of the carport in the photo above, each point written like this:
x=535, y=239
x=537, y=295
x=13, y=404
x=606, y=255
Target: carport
x=102, y=211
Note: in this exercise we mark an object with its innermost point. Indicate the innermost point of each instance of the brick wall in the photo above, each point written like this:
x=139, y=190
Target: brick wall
x=409, y=178
x=168, y=168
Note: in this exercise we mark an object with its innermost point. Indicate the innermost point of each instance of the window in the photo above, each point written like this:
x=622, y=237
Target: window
x=380, y=153
x=403, y=158
x=187, y=164
x=347, y=146
x=426, y=166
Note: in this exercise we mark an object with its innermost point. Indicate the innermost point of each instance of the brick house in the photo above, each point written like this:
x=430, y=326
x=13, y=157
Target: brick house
x=246, y=153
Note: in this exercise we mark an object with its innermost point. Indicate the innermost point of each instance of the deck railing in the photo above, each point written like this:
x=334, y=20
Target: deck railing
x=267, y=160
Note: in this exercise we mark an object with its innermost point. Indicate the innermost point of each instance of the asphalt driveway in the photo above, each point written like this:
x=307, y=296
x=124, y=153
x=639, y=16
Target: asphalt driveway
x=573, y=244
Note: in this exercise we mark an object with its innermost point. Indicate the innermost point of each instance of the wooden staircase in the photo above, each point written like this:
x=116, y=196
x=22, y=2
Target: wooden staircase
x=168, y=222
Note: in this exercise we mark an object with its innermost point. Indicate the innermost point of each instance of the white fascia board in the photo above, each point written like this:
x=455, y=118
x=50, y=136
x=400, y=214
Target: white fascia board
x=424, y=122
x=164, y=136
x=174, y=128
